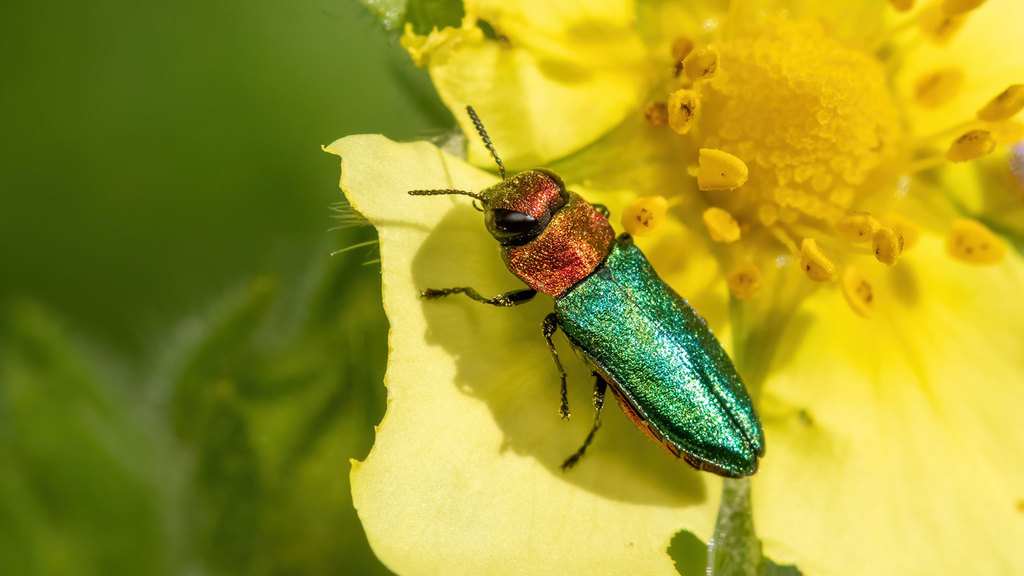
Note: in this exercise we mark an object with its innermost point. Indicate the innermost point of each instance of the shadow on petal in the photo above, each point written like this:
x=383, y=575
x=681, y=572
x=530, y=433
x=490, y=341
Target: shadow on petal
x=502, y=359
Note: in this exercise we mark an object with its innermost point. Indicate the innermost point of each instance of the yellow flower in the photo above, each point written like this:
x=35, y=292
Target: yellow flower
x=816, y=178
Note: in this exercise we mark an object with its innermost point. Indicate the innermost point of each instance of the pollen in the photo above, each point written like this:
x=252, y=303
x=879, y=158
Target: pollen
x=858, y=292
x=1004, y=106
x=972, y=242
x=701, y=63
x=973, y=144
x=720, y=170
x=887, y=244
x=682, y=110
x=644, y=215
x=816, y=264
x=745, y=281
x=722, y=227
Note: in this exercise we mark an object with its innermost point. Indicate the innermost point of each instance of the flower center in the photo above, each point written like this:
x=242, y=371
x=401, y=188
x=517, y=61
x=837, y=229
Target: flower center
x=801, y=149
x=812, y=119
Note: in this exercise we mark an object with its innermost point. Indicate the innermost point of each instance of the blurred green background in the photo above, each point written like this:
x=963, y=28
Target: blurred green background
x=184, y=370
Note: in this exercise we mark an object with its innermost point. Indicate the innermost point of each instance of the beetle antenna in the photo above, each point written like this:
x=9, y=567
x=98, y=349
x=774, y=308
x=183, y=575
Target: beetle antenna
x=487, y=139
x=476, y=195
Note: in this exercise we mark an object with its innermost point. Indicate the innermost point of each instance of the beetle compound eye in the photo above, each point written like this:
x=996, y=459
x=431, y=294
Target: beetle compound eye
x=513, y=222
x=511, y=227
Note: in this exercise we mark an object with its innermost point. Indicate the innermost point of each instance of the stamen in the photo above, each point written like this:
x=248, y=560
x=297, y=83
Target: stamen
x=1004, y=106
x=745, y=281
x=721, y=225
x=656, y=114
x=701, y=63
x=970, y=241
x=971, y=145
x=1008, y=132
x=906, y=229
x=858, y=292
x=857, y=227
x=816, y=263
x=957, y=7
x=939, y=26
x=682, y=110
x=681, y=48
x=939, y=87
x=644, y=215
x=887, y=245
x=720, y=170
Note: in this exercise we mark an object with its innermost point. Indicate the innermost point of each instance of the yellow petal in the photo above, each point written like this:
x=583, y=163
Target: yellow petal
x=561, y=74
x=464, y=474
x=902, y=435
x=989, y=51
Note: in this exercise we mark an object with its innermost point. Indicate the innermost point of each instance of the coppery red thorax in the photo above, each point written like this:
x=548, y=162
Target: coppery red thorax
x=575, y=242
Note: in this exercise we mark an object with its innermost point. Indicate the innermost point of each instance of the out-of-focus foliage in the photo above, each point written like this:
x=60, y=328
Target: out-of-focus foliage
x=184, y=370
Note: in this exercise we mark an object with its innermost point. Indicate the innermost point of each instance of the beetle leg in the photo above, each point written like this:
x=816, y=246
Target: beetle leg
x=602, y=209
x=508, y=299
x=599, y=389
x=550, y=327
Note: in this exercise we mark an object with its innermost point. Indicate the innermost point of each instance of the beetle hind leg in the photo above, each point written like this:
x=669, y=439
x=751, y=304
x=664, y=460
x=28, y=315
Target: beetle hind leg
x=600, y=386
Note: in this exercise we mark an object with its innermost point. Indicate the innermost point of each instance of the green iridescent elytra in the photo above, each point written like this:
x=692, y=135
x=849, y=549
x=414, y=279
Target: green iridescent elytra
x=668, y=370
x=663, y=364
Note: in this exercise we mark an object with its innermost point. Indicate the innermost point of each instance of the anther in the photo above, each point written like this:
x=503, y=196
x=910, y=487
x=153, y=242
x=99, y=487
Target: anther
x=656, y=114
x=1004, y=106
x=721, y=225
x=858, y=292
x=906, y=229
x=682, y=110
x=644, y=215
x=701, y=63
x=857, y=227
x=973, y=144
x=939, y=26
x=970, y=241
x=939, y=87
x=720, y=170
x=887, y=245
x=815, y=263
x=958, y=7
x=745, y=281
x=681, y=48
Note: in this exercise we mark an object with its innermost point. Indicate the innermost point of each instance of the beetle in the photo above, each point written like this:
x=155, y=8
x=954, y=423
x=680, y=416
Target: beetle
x=667, y=370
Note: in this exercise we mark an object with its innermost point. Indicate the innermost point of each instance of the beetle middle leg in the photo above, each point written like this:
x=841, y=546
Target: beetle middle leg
x=505, y=300
x=550, y=326
x=600, y=386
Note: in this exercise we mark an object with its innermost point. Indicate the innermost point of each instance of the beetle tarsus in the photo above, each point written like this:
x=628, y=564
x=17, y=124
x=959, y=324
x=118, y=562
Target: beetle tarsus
x=505, y=300
x=550, y=327
x=602, y=210
x=600, y=386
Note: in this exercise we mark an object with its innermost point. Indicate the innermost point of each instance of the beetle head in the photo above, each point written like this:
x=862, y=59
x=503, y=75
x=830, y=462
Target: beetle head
x=517, y=210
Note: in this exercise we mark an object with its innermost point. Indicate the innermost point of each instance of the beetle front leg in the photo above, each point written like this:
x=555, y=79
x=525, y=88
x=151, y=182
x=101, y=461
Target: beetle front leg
x=550, y=326
x=506, y=300
x=600, y=386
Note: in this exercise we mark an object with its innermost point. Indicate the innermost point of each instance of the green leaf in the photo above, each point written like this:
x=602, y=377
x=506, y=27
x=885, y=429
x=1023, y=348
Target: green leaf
x=77, y=481
x=425, y=15
x=391, y=13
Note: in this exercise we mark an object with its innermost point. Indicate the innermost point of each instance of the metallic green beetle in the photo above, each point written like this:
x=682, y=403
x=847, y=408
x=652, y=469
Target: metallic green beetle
x=665, y=367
